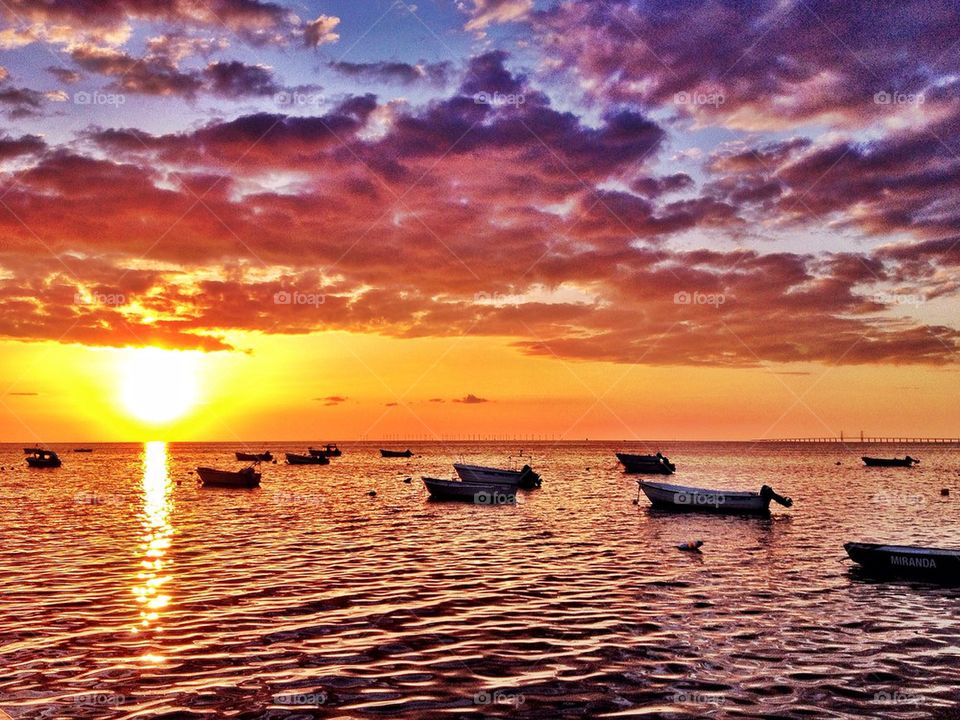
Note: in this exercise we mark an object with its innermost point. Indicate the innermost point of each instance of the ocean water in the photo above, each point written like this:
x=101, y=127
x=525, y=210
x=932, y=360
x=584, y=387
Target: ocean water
x=128, y=591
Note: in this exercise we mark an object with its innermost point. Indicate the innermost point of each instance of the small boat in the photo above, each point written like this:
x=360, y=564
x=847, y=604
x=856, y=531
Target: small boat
x=935, y=564
x=329, y=450
x=479, y=494
x=889, y=462
x=680, y=497
x=31, y=451
x=647, y=464
x=254, y=457
x=246, y=478
x=525, y=477
x=84, y=450
x=43, y=459
x=396, y=453
x=294, y=459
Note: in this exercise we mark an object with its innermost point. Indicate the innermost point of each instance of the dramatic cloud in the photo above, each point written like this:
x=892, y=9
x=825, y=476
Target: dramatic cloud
x=395, y=72
x=488, y=12
x=321, y=31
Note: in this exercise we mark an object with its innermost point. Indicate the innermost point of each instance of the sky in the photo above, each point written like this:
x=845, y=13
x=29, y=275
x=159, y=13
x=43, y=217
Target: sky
x=253, y=219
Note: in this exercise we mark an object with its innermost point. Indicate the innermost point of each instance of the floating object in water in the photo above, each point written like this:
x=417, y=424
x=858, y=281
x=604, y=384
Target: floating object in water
x=408, y=480
x=255, y=457
x=294, y=459
x=944, y=492
x=477, y=493
x=372, y=493
x=935, y=564
x=680, y=497
x=525, y=477
x=647, y=464
x=889, y=462
x=329, y=450
x=246, y=478
x=838, y=463
x=691, y=546
x=43, y=459
x=396, y=453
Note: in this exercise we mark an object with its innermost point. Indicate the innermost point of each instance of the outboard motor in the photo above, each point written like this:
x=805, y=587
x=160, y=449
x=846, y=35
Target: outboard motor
x=767, y=493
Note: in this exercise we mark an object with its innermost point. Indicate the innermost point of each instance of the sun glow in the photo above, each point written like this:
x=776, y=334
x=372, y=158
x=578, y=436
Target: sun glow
x=158, y=386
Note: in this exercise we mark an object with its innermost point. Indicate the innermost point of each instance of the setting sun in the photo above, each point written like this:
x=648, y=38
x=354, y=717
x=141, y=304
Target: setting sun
x=157, y=385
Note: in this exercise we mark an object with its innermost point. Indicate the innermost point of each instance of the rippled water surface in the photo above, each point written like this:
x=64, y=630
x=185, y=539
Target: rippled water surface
x=130, y=592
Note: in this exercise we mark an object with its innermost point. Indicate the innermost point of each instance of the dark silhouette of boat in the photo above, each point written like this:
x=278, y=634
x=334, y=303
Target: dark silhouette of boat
x=938, y=565
x=254, y=457
x=31, y=451
x=40, y=458
x=246, y=478
x=83, y=450
x=396, y=453
x=648, y=464
x=477, y=493
x=691, y=499
x=329, y=450
x=294, y=459
x=889, y=462
x=525, y=477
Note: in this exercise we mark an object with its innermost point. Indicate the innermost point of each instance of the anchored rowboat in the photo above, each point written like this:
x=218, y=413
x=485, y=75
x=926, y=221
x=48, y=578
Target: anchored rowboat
x=479, y=494
x=525, y=477
x=246, y=478
x=254, y=457
x=647, y=464
x=687, y=499
x=934, y=564
x=889, y=462
x=294, y=459
x=396, y=453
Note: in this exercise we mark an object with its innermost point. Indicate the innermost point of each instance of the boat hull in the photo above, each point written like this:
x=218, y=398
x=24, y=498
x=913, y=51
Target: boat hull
x=254, y=457
x=888, y=462
x=689, y=499
x=294, y=459
x=480, y=475
x=933, y=564
x=476, y=493
x=646, y=464
x=225, y=478
x=328, y=452
x=38, y=462
x=395, y=453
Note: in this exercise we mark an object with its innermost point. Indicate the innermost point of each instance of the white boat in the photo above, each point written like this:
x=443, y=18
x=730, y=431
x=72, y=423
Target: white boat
x=524, y=477
x=683, y=498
